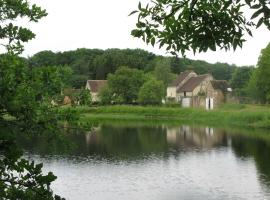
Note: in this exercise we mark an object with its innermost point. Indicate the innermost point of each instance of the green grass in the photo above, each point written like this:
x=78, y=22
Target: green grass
x=232, y=115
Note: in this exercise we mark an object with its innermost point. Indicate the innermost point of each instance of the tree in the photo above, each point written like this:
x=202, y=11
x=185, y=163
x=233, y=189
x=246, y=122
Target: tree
x=240, y=79
x=50, y=81
x=105, y=95
x=19, y=178
x=16, y=35
x=152, y=92
x=43, y=59
x=125, y=84
x=84, y=98
x=241, y=76
x=263, y=80
x=251, y=88
x=163, y=71
x=199, y=25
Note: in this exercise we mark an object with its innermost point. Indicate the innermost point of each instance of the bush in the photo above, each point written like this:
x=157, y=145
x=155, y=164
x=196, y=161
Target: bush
x=151, y=93
x=105, y=96
x=84, y=98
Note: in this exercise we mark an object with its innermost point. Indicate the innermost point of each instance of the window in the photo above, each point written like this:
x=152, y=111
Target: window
x=185, y=94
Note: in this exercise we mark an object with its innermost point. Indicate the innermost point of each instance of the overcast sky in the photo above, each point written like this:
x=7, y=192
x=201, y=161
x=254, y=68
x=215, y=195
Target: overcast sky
x=104, y=24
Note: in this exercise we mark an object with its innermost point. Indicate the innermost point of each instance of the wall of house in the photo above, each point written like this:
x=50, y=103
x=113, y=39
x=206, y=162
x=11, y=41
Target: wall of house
x=207, y=91
x=219, y=98
x=217, y=95
x=203, y=87
x=198, y=101
x=87, y=87
x=171, y=92
x=95, y=97
x=182, y=94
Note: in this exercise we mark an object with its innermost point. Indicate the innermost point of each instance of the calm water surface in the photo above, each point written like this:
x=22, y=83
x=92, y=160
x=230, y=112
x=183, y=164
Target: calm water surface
x=120, y=162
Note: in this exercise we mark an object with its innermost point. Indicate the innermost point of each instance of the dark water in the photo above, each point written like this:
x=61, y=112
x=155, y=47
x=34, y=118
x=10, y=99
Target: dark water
x=120, y=162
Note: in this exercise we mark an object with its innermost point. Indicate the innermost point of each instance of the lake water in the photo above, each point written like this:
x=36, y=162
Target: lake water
x=126, y=162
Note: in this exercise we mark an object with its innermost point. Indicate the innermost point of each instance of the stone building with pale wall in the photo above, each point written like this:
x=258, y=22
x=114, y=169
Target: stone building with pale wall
x=95, y=86
x=192, y=90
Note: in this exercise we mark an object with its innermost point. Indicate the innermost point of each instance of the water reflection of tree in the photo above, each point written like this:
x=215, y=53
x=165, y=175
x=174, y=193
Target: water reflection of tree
x=125, y=141
x=21, y=178
x=46, y=144
x=256, y=148
x=130, y=141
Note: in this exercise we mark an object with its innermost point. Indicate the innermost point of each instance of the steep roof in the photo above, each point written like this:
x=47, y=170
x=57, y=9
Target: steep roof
x=180, y=78
x=96, y=85
x=220, y=85
x=192, y=83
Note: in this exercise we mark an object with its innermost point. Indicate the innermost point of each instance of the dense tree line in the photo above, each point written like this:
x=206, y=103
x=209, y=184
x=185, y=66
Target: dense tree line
x=97, y=64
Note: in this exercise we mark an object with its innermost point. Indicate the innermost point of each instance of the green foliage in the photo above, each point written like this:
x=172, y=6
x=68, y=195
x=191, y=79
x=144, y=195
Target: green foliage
x=231, y=115
x=15, y=171
x=23, y=101
x=43, y=59
x=263, y=80
x=105, y=96
x=199, y=25
x=16, y=35
x=125, y=84
x=84, y=98
x=51, y=80
x=240, y=79
x=152, y=92
x=94, y=63
x=20, y=178
x=162, y=71
x=251, y=88
x=97, y=64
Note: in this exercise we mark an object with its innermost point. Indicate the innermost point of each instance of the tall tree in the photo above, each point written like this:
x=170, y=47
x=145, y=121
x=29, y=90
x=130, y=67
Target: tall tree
x=263, y=80
x=162, y=71
x=199, y=25
x=125, y=84
x=240, y=79
x=251, y=88
x=17, y=35
x=241, y=76
x=19, y=178
x=152, y=92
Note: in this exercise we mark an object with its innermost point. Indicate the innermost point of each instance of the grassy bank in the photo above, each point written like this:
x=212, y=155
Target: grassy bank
x=228, y=115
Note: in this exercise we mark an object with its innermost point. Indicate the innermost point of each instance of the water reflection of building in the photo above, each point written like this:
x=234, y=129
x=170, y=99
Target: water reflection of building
x=195, y=137
x=91, y=137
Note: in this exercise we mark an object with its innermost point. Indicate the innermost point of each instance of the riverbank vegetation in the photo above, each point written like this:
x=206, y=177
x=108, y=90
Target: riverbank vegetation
x=235, y=115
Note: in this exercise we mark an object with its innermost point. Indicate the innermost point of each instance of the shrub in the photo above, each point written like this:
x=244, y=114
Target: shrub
x=105, y=96
x=84, y=97
x=151, y=93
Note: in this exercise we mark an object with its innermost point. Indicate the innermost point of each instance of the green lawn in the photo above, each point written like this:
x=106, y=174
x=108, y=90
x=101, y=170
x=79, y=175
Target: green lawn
x=236, y=115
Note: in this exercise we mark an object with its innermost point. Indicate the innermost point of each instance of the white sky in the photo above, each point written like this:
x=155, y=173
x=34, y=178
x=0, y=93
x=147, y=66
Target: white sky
x=103, y=24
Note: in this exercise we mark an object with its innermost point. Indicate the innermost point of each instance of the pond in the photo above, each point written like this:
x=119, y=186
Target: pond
x=161, y=162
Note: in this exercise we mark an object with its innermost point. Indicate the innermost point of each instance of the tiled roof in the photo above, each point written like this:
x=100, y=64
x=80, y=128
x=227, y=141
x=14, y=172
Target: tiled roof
x=192, y=83
x=180, y=78
x=96, y=85
x=220, y=85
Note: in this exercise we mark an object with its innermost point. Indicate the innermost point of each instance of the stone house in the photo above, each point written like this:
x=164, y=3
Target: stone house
x=176, y=84
x=192, y=90
x=95, y=86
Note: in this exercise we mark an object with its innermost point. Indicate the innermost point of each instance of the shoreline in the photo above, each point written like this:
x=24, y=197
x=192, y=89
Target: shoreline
x=248, y=116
